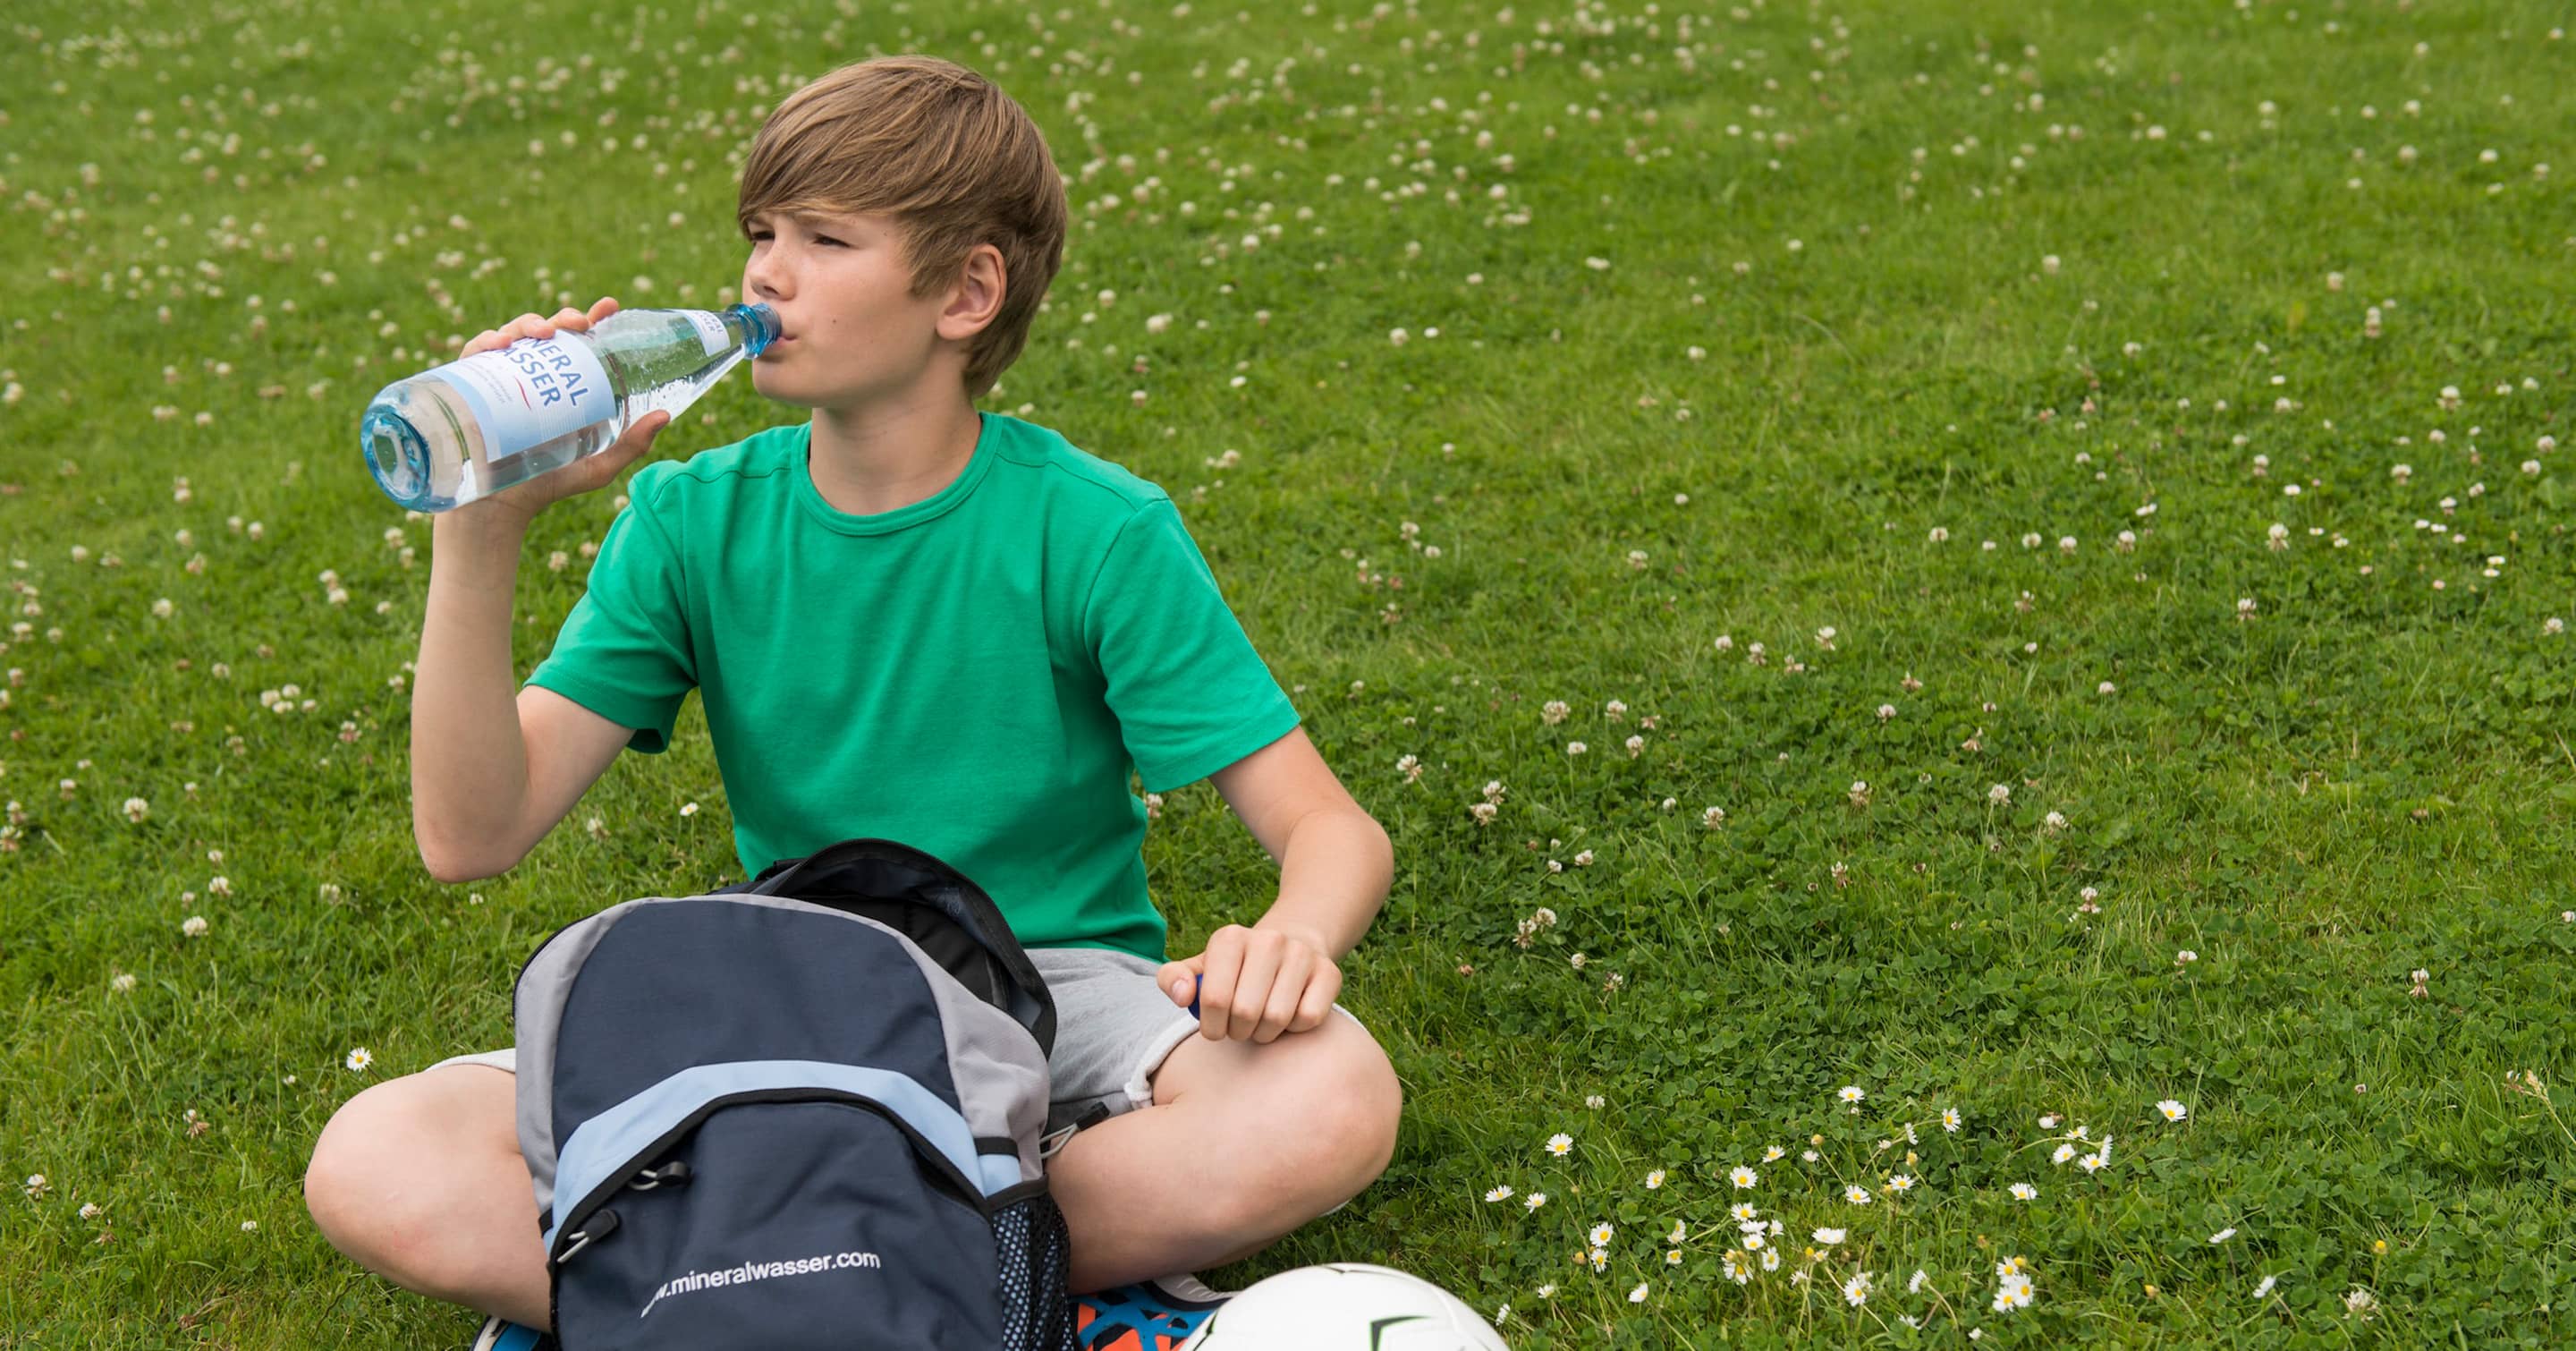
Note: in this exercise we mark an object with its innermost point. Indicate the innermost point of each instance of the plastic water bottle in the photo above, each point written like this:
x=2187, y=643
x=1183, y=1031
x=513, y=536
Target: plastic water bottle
x=470, y=428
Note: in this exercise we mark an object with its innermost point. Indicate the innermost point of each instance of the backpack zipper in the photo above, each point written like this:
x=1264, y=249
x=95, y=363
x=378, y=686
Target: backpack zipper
x=571, y=1238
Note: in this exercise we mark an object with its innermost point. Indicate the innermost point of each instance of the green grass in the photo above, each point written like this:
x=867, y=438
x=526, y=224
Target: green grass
x=2366, y=777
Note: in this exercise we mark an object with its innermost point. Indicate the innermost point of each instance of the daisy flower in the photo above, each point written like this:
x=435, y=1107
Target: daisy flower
x=360, y=1058
x=1601, y=1234
x=1679, y=1231
x=2266, y=1287
x=1534, y=1200
x=2222, y=1235
x=1654, y=1179
x=1499, y=1194
x=1774, y=1154
x=1672, y=1257
x=2014, y=1293
x=1638, y=1295
x=1856, y=1194
x=1829, y=1237
x=1742, y=1176
x=1900, y=1183
x=1560, y=1144
x=1770, y=1259
x=1915, y=1286
x=2092, y=1163
x=1851, y=1094
x=1856, y=1290
x=2064, y=1152
x=1754, y=1241
x=1950, y=1119
x=1744, y=1211
x=2023, y=1191
x=2174, y=1111
x=1736, y=1268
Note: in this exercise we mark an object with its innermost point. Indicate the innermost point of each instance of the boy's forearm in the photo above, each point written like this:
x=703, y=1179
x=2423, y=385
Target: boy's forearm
x=469, y=761
x=1334, y=872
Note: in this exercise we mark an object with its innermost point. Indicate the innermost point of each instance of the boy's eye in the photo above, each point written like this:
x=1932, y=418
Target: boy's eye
x=759, y=235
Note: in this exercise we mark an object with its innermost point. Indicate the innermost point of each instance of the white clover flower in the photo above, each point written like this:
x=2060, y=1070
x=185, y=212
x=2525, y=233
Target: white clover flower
x=1999, y=795
x=194, y=926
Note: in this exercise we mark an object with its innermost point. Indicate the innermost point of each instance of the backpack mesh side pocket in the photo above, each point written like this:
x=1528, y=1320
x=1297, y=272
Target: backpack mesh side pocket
x=1036, y=1252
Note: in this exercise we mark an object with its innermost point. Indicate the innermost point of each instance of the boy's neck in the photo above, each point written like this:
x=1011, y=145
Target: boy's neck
x=867, y=462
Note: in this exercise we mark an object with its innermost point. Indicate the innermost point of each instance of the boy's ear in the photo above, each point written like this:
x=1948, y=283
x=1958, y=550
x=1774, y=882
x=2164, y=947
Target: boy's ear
x=977, y=297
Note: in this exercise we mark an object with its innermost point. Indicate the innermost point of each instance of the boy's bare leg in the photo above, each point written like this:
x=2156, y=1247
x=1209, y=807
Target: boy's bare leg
x=419, y=1179
x=1245, y=1142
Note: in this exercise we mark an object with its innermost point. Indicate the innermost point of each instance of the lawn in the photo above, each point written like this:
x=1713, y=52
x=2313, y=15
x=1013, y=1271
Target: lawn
x=1965, y=592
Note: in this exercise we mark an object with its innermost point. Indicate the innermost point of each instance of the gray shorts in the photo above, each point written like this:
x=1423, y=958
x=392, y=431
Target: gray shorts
x=1113, y=1026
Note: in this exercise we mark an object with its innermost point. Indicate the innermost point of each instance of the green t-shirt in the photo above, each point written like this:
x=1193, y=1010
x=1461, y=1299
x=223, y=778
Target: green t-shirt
x=973, y=675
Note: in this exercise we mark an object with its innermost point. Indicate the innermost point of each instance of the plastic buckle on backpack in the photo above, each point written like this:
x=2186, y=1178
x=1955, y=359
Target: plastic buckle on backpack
x=1055, y=1140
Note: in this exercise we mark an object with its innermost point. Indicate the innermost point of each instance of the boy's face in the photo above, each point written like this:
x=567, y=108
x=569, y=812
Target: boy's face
x=851, y=334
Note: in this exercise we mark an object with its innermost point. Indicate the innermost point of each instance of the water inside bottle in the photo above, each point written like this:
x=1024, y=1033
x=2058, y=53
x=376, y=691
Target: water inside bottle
x=407, y=459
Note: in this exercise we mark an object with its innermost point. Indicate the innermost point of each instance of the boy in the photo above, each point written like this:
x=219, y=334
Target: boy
x=909, y=620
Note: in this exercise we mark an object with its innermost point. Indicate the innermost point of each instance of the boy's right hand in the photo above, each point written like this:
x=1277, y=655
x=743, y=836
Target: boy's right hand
x=520, y=502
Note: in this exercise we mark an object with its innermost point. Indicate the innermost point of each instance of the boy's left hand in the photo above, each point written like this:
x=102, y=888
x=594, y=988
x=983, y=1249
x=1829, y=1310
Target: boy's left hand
x=1255, y=983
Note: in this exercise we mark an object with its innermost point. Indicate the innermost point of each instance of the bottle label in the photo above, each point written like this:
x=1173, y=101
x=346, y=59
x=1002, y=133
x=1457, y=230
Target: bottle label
x=711, y=331
x=530, y=392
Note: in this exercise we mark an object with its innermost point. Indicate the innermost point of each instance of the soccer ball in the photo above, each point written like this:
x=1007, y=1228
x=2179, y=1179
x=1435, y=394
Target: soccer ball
x=1344, y=1305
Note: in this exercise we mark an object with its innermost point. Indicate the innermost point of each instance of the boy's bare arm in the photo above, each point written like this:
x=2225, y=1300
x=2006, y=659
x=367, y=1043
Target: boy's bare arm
x=469, y=760
x=469, y=755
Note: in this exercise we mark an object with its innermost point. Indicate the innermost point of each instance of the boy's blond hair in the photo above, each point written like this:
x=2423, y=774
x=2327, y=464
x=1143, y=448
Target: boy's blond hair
x=953, y=159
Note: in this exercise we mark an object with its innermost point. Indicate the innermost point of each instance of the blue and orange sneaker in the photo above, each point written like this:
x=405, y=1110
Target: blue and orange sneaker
x=1155, y=1315
x=497, y=1335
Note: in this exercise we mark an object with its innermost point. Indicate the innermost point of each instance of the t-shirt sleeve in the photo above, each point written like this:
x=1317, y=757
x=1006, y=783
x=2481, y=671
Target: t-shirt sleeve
x=1190, y=694
x=624, y=652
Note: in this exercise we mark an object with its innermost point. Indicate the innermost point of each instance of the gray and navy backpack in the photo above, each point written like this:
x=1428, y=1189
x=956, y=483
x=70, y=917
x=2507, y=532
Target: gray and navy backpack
x=800, y=1112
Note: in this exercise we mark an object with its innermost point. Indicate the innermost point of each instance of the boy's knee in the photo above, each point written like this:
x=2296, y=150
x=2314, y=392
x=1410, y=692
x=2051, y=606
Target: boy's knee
x=1347, y=1138
x=377, y=1185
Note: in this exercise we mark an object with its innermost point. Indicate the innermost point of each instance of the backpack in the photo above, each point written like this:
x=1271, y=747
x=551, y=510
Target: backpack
x=800, y=1112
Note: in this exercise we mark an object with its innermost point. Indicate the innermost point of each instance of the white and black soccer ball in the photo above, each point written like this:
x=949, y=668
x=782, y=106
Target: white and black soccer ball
x=1345, y=1306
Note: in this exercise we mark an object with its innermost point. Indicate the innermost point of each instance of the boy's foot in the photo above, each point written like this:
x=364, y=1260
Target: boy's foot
x=501, y=1336
x=1155, y=1315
